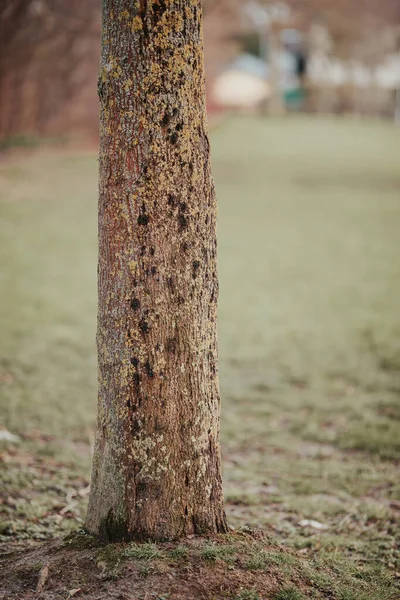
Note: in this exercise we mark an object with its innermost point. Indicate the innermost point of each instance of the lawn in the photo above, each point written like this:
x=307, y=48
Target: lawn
x=309, y=328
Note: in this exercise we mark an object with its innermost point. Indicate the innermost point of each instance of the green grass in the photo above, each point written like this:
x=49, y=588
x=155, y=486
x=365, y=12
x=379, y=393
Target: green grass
x=147, y=551
x=213, y=552
x=247, y=595
x=179, y=552
x=289, y=593
x=309, y=221
x=262, y=560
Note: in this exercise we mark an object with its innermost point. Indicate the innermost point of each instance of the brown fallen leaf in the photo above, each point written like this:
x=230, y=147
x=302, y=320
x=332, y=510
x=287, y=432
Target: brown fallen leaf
x=42, y=578
x=313, y=524
x=68, y=508
x=84, y=491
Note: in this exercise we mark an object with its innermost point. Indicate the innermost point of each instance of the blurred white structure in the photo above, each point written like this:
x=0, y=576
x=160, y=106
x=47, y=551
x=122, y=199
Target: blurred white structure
x=331, y=71
x=239, y=89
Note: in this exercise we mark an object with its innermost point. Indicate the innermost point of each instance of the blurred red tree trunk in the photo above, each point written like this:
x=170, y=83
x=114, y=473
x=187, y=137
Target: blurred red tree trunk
x=48, y=67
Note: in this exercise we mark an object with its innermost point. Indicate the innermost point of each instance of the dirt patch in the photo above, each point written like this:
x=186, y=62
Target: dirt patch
x=194, y=568
x=238, y=566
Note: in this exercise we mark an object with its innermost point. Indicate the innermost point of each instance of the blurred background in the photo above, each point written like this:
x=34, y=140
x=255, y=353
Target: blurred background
x=317, y=56
x=304, y=103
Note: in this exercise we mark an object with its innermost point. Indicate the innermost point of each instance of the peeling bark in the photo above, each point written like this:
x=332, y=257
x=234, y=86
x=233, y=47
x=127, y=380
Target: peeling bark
x=156, y=468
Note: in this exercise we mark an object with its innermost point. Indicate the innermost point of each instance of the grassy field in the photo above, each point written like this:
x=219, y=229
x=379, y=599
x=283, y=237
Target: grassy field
x=309, y=325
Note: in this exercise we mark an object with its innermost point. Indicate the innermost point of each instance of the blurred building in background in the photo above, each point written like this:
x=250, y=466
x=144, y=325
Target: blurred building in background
x=329, y=56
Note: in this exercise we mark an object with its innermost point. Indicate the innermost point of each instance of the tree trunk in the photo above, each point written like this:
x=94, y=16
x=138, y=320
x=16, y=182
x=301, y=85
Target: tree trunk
x=156, y=468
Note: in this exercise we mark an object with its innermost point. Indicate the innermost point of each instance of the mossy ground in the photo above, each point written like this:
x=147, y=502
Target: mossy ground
x=239, y=566
x=309, y=220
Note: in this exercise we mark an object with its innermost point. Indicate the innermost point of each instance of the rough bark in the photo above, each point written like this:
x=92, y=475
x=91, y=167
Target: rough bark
x=156, y=468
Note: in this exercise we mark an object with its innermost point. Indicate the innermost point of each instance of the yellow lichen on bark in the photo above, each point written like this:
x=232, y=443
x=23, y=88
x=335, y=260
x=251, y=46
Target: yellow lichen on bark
x=156, y=468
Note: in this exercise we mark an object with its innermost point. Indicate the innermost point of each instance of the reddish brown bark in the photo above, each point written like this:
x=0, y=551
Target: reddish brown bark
x=156, y=470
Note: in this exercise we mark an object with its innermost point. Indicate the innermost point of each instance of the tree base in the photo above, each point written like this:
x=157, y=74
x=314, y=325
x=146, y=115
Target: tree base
x=238, y=566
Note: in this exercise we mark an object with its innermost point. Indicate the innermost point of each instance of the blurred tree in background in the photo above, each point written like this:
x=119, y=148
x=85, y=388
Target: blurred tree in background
x=49, y=54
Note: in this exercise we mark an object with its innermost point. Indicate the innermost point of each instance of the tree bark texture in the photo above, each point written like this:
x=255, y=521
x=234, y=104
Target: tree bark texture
x=156, y=468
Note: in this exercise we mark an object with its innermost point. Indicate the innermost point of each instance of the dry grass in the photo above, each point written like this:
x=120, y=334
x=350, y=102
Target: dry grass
x=309, y=342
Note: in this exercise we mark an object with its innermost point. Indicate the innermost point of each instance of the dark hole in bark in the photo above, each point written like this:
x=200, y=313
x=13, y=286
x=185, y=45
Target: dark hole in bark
x=143, y=326
x=179, y=127
x=159, y=8
x=135, y=304
x=173, y=138
x=133, y=425
x=136, y=379
x=135, y=361
x=196, y=266
x=152, y=251
x=144, y=22
x=143, y=220
x=165, y=120
x=183, y=222
x=185, y=247
x=153, y=270
x=149, y=369
x=171, y=200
